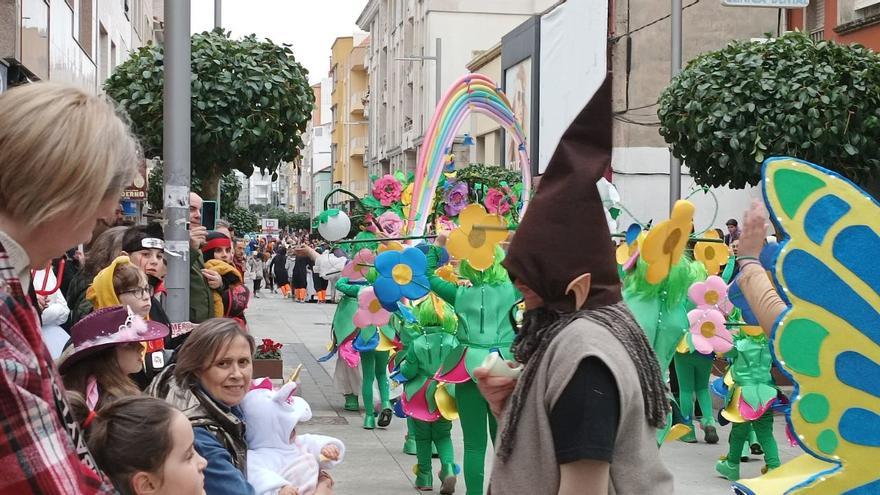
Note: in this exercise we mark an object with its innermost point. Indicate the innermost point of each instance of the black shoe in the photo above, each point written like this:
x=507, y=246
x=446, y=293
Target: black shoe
x=710, y=435
x=384, y=418
x=756, y=449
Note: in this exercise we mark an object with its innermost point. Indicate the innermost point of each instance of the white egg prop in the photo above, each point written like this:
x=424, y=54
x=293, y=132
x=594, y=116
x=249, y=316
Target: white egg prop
x=336, y=227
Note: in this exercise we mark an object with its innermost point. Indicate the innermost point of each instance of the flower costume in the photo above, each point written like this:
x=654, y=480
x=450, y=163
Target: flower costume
x=483, y=327
x=661, y=310
x=749, y=398
x=367, y=346
x=425, y=399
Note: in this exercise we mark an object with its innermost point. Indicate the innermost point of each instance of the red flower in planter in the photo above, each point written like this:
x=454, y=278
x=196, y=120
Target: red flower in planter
x=269, y=349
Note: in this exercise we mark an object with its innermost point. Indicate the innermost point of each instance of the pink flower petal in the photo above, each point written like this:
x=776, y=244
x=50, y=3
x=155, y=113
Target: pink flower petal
x=701, y=344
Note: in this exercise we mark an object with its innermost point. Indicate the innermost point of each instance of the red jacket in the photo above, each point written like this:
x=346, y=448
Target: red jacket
x=42, y=450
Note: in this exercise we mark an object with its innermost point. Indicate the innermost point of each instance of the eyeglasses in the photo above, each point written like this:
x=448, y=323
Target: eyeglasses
x=140, y=292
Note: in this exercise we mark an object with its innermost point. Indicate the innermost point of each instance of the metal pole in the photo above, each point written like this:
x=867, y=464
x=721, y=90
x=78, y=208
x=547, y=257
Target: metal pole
x=218, y=23
x=674, y=163
x=437, y=72
x=176, y=138
x=218, y=13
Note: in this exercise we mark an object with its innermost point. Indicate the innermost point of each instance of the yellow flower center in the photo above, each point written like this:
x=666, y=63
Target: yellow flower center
x=402, y=274
x=671, y=241
x=707, y=329
x=711, y=297
x=375, y=306
x=710, y=252
x=477, y=237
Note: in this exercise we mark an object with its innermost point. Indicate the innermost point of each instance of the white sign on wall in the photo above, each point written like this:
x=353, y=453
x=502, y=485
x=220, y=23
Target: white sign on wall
x=776, y=4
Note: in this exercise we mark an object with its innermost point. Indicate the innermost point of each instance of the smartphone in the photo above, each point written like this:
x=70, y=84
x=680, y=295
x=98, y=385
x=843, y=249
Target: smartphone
x=209, y=214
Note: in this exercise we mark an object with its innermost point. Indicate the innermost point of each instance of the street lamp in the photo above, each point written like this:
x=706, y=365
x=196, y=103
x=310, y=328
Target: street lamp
x=422, y=58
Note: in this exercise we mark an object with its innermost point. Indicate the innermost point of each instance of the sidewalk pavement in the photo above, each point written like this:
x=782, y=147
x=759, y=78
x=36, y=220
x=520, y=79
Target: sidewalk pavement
x=374, y=463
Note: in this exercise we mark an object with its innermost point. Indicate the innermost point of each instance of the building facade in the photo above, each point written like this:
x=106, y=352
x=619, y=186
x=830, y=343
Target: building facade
x=403, y=91
x=316, y=155
x=348, y=136
x=640, y=61
x=844, y=21
x=72, y=41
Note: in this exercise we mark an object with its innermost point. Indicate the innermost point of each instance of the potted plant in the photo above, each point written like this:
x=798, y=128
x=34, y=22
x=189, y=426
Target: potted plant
x=267, y=360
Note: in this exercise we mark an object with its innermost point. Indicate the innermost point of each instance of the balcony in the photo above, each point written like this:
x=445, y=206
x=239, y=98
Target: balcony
x=356, y=146
x=817, y=35
x=356, y=103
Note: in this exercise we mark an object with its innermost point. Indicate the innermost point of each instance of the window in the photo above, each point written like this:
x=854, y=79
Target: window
x=319, y=131
x=815, y=19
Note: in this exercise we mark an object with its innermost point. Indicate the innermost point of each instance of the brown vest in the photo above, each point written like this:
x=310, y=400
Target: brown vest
x=531, y=469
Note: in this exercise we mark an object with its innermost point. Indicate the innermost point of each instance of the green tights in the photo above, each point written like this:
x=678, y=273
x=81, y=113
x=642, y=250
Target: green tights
x=473, y=410
x=375, y=367
x=763, y=428
x=439, y=433
x=693, y=370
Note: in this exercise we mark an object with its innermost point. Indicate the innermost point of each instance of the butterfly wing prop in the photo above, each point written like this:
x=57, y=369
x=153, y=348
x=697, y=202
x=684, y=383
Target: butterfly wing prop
x=829, y=340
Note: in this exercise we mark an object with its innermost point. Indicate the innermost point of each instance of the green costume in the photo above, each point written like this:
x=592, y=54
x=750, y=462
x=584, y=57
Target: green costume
x=693, y=371
x=374, y=363
x=661, y=310
x=752, y=394
x=427, y=346
x=484, y=326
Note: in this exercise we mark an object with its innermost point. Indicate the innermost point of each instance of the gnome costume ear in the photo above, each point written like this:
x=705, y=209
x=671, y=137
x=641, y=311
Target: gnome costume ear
x=580, y=287
x=562, y=249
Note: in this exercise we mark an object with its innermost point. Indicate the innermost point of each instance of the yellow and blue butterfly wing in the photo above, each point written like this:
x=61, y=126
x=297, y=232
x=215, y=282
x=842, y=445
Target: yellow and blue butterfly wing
x=829, y=340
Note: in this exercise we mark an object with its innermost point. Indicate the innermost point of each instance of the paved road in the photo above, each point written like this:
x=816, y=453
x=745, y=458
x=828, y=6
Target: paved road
x=374, y=462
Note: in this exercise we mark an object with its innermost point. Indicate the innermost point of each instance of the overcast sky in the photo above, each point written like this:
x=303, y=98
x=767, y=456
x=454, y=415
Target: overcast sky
x=309, y=25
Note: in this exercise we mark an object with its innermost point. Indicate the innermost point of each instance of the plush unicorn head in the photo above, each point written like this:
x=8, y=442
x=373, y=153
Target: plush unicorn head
x=272, y=416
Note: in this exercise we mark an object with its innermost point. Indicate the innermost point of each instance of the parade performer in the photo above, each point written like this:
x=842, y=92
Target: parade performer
x=749, y=400
x=693, y=370
x=277, y=455
x=361, y=341
x=425, y=400
x=591, y=388
x=232, y=297
x=483, y=307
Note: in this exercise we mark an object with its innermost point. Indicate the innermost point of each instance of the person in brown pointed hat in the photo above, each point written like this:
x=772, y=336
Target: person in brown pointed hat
x=581, y=417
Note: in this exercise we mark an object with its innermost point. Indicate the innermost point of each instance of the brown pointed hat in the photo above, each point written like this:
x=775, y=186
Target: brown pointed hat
x=564, y=233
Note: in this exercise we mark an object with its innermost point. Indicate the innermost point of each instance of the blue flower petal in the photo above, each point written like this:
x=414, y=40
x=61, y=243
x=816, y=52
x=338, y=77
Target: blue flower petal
x=387, y=292
x=416, y=289
x=416, y=260
x=386, y=262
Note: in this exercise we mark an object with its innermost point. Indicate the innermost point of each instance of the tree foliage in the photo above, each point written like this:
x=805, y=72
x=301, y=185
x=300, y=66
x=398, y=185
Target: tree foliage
x=299, y=221
x=732, y=108
x=243, y=220
x=278, y=214
x=251, y=101
x=230, y=188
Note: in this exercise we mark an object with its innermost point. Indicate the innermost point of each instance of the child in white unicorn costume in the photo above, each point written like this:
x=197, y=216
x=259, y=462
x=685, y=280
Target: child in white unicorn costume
x=277, y=455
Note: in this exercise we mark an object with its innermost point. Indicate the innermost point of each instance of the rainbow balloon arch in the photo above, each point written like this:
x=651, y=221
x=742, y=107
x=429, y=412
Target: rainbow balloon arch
x=472, y=93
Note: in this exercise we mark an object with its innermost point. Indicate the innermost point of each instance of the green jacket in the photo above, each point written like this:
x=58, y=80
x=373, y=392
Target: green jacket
x=201, y=301
x=750, y=370
x=424, y=356
x=483, y=317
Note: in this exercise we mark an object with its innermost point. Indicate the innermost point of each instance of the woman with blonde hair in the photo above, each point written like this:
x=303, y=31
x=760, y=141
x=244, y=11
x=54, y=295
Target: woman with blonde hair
x=66, y=157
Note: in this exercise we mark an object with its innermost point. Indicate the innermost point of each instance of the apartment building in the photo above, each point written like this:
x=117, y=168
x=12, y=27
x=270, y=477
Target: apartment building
x=316, y=155
x=73, y=41
x=403, y=64
x=348, y=136
x=844, y=21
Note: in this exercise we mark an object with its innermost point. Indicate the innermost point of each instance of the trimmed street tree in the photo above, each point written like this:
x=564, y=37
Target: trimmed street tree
x=731, y=108
x=251, y=101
